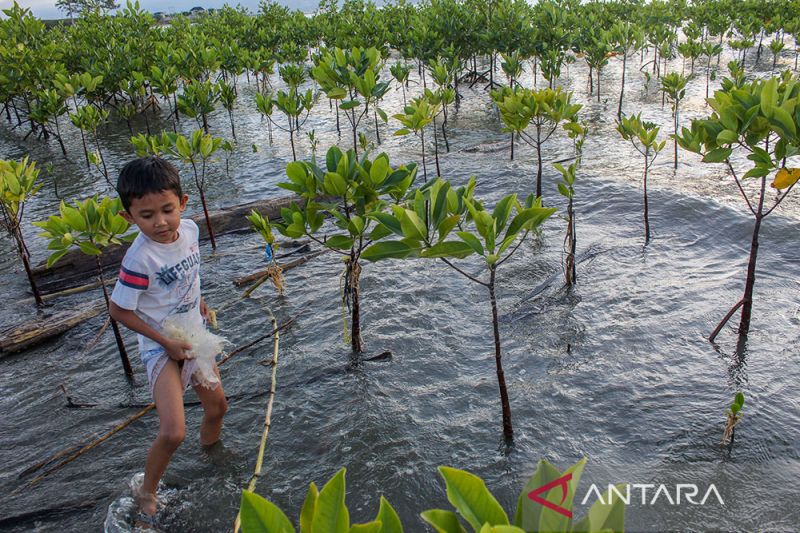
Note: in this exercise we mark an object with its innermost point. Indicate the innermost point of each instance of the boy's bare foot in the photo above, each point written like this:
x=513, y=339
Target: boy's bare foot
x=146, y=502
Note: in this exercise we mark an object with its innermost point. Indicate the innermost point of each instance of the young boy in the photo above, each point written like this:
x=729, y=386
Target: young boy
x=160, y=277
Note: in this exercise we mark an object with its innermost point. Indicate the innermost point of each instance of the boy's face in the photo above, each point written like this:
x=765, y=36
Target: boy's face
x=158, y=215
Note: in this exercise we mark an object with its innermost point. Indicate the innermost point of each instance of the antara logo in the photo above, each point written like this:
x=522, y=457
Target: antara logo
x=689, y=491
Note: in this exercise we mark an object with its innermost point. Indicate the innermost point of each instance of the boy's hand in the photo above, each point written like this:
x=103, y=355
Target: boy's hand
x=204, y=308
x=177, y=350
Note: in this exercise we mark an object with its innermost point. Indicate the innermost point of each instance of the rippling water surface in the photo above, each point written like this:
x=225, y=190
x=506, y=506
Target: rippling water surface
x=616, y=369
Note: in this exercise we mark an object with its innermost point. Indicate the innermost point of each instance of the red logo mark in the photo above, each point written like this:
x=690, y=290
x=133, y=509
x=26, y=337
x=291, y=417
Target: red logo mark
x=562, y=482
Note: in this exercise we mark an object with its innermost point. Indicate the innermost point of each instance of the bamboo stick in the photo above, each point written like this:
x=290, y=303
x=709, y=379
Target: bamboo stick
x=267, y=418
x=126, y=422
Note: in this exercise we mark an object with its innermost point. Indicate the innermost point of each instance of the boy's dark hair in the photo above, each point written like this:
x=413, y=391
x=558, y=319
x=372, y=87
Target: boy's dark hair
x=147, y=175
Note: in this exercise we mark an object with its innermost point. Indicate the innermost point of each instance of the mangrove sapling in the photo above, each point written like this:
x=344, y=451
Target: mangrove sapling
x=88, y=118
x=432, y=215
x=165, y=83
x=537, y=510
x=91, y=226
x=776, y=47
x=48, y=107
x=274, y=273
x=691, y=49
x=760, y=119
x=400, y=72
x=597, y=52
x=323, y=510
x=627, y=39
x=17, y=184
x=443, y=73
x=418, y=114
x=673, y=85
x=227, y=95
x=540, y=109
x=355, y=190
x=710, y=50
x=199, y=148
x=567, y=190
x=352, y=74
x=733, y=418
x=293, y=105
x=198, y=100
x=644, y=137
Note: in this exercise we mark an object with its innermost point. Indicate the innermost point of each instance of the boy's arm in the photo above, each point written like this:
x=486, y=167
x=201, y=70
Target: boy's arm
x=175, y=349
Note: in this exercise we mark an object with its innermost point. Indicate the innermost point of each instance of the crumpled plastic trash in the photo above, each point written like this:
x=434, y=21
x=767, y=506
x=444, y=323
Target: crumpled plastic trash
x=205, y=346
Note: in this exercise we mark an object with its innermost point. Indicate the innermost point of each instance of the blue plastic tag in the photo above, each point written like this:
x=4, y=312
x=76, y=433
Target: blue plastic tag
x=268, y=253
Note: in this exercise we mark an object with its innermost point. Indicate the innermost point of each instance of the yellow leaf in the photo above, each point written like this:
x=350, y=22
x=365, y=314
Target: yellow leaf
x=786, y=177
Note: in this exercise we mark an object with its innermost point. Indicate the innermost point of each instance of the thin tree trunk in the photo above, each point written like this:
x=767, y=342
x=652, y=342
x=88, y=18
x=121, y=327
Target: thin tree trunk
x=233, y=128
x=354, y=272
x=569, y=266
x=208, y=219
x=508, y=430
x=646, y=212
x=539, y=161
x=23, y=254
x=436, y=148
x=377, y=129
x=622, y=86
x=424, y=168
x=747, y=305
x=123, y=353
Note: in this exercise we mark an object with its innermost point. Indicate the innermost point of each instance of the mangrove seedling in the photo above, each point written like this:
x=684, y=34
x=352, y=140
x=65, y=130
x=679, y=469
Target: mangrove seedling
x=762, y=120
x=567, y=189
x=292, y=104
x=542, y=109
x=198, y=100
x=227, y=95
x=352, y=75
x=274, y=273
x=17, y=184
x=355, y=191
x=418, y=114
x=322, y=510
x=400, y=72
x=537, y=510
x=733, y=418
x=431, y=216
x=644, y=137
x=776, y=47
x=88, y=118
x=627, y=39
x=91, y=226
x=710, y=50
x=673, y=85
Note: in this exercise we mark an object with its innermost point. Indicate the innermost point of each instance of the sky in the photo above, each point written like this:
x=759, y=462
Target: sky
x=45, y=9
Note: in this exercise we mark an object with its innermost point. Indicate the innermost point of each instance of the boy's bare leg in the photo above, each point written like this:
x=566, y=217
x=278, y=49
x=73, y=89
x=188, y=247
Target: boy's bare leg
x=214, y=407
x=168, y=395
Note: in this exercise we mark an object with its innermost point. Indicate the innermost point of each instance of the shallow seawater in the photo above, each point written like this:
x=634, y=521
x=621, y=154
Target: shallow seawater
x=616, y=369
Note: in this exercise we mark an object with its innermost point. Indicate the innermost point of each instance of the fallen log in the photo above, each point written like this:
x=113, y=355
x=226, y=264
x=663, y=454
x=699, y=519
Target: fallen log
x=41, y=329
x=75, y=268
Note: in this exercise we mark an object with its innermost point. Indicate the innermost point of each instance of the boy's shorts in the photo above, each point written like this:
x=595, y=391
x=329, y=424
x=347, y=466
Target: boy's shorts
x=154, y=361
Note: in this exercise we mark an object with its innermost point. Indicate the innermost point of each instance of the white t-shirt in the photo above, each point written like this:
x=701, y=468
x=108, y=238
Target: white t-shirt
x=159, y=280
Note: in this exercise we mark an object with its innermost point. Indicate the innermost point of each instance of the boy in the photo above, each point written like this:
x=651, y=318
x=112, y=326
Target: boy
x=160, y=277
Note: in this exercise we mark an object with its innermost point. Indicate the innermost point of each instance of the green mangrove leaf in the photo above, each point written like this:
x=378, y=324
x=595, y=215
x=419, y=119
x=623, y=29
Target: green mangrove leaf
x=330, y=513
x=443, y=521
x=259, y=515
x=307, y=511
x=469, y=495
x=387, y=516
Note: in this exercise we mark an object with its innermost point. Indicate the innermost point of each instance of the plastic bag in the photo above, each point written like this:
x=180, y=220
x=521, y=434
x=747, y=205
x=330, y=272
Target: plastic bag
x=205, y=346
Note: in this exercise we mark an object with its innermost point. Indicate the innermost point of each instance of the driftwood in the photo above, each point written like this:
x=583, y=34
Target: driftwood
x=244, y=280
x=128, y=421
x=41, y=329
x=75, y=268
